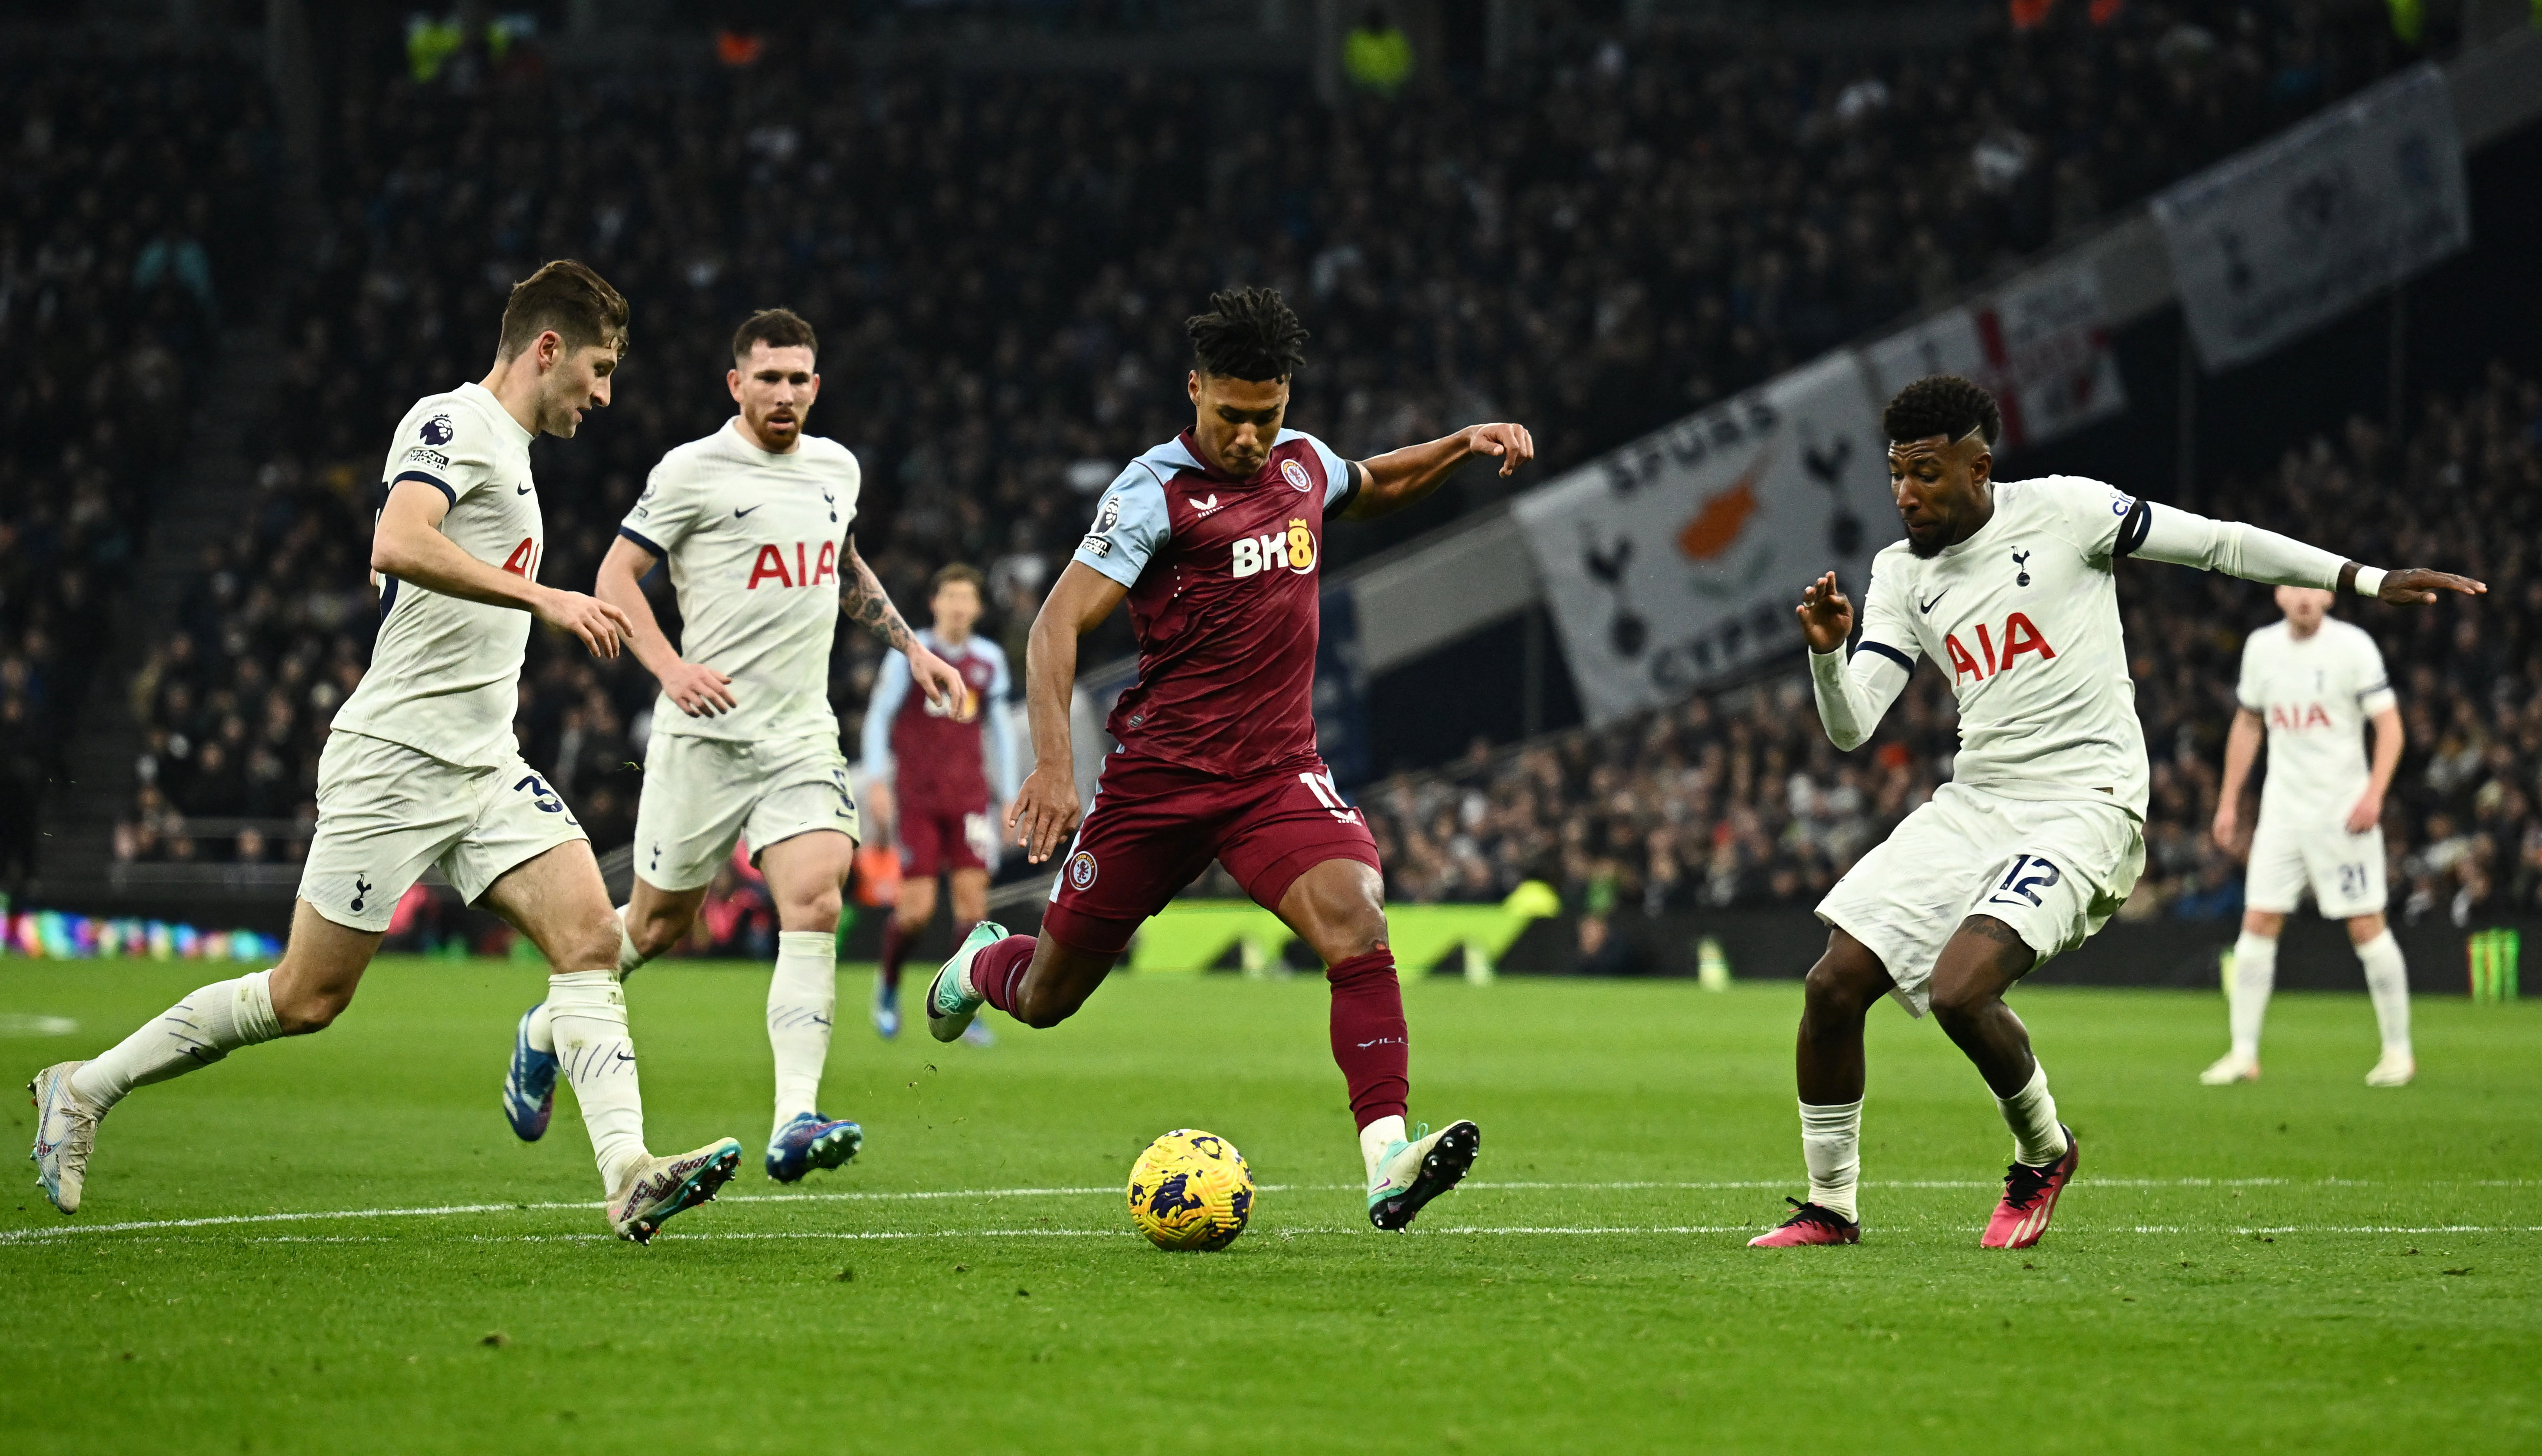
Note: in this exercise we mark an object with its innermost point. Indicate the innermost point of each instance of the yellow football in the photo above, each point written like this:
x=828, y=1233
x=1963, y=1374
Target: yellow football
x=1191, y=1190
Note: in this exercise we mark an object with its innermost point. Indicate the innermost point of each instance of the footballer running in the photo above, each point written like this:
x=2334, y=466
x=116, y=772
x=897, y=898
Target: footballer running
x=758, y=524
x=2039, y=836
x=422, y=769
x=937, y=779
x=2309, y=686
x=1216, y=538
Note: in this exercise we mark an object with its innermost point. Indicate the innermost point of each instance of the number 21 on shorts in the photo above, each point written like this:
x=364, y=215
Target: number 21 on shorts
x=2029, y=875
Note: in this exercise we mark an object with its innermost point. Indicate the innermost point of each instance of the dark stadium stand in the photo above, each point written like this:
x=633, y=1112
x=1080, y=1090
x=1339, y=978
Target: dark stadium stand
x=1737, y=800
x=1626, y=232
x=130, y=187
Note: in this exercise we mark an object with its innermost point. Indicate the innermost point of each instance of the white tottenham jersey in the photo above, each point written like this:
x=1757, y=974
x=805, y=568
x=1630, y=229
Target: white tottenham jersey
x=2024, y=616
x=2315, y=695
x=755, y=544
x=445, y=673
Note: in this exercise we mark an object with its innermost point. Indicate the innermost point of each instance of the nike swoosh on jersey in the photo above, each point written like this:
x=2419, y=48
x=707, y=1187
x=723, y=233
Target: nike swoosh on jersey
x=521, y=489
x=738, y=512
x=1926, y=607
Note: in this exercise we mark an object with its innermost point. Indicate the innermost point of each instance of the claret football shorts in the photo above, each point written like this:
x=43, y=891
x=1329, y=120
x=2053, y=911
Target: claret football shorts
x=2055, y=871
x=1154, y=826
x=934, y=840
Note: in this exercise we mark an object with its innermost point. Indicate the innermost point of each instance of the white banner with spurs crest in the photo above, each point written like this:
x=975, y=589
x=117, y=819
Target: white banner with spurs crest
x=1676, y=561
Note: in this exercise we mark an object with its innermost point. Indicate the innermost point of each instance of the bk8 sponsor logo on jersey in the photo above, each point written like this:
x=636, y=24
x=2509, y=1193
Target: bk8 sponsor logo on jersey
x=1294, y=549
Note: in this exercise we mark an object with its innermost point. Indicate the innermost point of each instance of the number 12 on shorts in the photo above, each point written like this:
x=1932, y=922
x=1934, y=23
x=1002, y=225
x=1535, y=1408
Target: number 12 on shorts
x=2029, y=875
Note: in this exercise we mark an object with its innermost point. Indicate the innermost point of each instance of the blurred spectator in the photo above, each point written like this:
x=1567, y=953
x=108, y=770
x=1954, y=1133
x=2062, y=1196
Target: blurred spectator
x=1376, y=56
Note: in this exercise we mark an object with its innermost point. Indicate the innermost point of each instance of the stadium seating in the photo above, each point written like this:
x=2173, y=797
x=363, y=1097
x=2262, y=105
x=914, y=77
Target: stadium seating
x=1736, y=799
x=1634, y=229
x=129, y=188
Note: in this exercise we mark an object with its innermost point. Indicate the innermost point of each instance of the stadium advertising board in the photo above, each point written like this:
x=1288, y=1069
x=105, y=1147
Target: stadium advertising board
x=1675, y=561
x=2286, y=236
x=2042, y=344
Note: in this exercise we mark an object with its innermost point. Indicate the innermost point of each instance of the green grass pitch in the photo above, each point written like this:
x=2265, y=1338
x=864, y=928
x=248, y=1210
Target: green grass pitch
x=2304, y=1264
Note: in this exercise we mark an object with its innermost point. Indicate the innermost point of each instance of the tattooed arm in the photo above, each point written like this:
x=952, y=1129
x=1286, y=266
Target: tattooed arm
x=861, y=597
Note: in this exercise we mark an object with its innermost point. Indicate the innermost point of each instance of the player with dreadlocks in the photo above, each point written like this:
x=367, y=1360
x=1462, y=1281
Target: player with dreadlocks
x=1216, y=538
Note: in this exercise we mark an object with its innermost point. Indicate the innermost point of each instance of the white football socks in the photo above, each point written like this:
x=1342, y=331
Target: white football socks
x=2246, y=998
x=802, y=999
x=542, y=1027
x=1832, y=1146
x=2387, y=981
x=209, y=1024
x=598, y=1057
x=2031, y=1113
x=629, y=958
x=1376, y=1138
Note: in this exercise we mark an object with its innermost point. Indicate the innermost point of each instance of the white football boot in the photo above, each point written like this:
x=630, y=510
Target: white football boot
x=662, y=1187
x=2394, y=1070
x=65, y=1132
x=1411, y=1174
x=950, y=1006
x=2230, y=1068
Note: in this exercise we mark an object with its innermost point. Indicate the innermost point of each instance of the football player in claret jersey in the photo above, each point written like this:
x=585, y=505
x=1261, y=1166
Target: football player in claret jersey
x=1215, y=539
x=421, y=769
x=940, y=779
x=2039, y=836
x=2311, y=683
x=757, y=522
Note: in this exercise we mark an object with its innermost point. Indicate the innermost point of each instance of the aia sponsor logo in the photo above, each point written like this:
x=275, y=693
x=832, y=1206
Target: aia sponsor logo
x=1296, y=475
x=2295, y=718
x=1294, y=549
x=1081, y=871
x=810, y=569
x=2020, y=635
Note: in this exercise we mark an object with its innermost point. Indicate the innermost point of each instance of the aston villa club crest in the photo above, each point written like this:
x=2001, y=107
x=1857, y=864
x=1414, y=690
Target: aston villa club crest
x=1296, y=475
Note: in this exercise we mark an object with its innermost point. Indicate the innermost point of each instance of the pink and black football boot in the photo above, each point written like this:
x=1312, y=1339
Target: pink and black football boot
x=1809, y=1224
x=2030, y=1198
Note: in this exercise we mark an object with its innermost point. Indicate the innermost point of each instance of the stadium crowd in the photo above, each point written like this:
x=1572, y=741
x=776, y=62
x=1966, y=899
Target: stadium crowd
x=1001, y=266
x=129, y=188
x=1736, y=799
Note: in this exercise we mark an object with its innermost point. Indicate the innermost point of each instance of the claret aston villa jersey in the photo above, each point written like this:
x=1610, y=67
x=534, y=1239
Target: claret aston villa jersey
x=1225, y=578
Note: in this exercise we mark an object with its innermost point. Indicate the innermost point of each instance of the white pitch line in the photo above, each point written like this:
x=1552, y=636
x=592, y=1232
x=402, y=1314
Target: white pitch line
x=63, y=1231
x=1448, y=1231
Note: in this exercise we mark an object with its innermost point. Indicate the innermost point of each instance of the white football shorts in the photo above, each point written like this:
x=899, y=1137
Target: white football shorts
x=703, y=793
x=385, y=812
x=2055, y=871
x=2344, y=871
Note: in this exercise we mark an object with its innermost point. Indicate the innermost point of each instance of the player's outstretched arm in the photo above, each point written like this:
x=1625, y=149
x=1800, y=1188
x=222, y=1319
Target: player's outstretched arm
x=861, y=597
x=1046, y=808
x=1853, y=694
x=1399, y=478
x=696, y=689
x=2164, y=533
x=407, y=544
